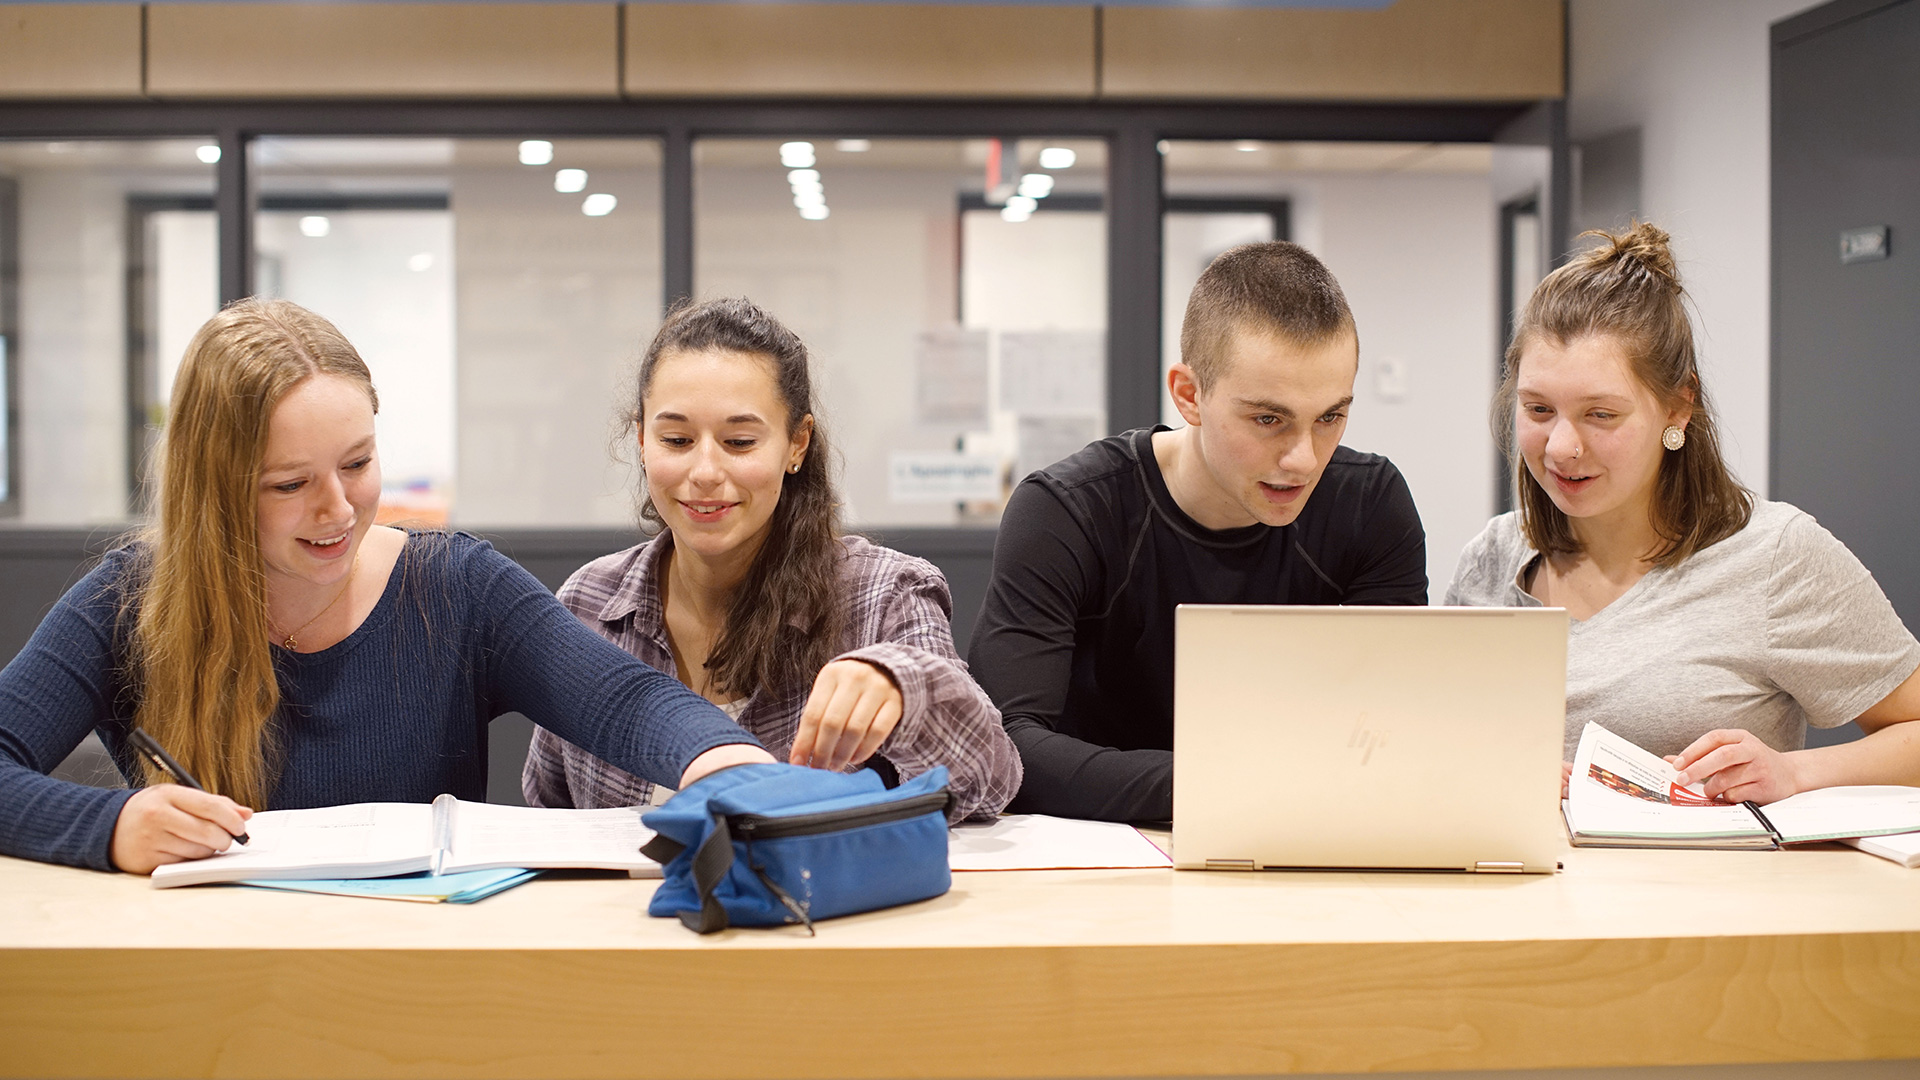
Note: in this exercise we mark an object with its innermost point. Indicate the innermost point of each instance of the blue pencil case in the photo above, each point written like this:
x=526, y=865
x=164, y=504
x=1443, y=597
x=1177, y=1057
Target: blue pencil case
x=773, y=845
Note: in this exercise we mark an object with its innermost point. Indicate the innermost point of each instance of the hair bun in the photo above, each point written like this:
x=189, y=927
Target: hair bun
x=1643, y=245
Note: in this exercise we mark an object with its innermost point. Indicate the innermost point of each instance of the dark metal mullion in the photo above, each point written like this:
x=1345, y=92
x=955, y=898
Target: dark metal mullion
x=1133, y=277
x=1559, y=223
x=233, y=210
x=10, y=333
x=676, y=217
x=906, y=118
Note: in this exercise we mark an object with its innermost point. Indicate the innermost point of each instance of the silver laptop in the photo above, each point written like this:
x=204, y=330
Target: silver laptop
x=1368, y=737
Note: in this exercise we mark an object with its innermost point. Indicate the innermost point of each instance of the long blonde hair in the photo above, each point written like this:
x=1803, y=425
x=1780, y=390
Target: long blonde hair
x=202, y=666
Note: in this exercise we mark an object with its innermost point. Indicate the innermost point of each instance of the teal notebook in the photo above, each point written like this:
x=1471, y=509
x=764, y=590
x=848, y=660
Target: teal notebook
x=460, y=888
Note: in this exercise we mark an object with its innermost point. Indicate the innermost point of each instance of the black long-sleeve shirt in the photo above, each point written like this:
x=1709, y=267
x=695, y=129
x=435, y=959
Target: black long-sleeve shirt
x=1075, y=639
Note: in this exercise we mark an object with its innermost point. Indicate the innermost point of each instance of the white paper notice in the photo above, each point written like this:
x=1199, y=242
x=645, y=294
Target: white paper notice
x=1054, y=372
x=923, y=477
x=1039, y=842
x=952, y=369
x=1047, y=439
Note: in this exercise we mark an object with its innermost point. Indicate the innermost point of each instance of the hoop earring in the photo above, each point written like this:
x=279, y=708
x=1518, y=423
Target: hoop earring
x=1674, y=437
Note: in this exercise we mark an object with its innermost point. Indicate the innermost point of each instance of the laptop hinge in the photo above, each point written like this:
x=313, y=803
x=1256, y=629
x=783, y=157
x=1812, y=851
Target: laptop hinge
x=1495, y=867
x=1229, y=864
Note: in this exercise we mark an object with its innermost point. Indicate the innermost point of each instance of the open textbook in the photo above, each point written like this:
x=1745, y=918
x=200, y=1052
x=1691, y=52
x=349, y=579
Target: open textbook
x=366, y=840
x=1623, y=796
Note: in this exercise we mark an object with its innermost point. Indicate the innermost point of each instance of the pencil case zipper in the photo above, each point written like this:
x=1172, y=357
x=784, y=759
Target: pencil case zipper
x=764, y=827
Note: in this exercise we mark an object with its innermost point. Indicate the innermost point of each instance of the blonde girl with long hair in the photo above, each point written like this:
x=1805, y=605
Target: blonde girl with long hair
x=289, y=652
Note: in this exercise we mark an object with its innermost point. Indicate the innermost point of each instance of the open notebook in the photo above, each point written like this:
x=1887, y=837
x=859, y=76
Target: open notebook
x=366, y=840
x=1623, y=796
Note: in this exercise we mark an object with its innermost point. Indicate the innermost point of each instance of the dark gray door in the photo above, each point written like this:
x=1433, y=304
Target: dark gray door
x=1846, y=354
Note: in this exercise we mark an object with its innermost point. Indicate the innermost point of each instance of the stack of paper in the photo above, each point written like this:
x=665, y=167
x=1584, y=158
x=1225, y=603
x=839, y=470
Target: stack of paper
x=1040, y=842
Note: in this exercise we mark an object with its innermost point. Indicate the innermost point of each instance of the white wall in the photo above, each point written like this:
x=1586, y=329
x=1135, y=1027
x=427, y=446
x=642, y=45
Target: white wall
x=360, y=276
x=73, y=403
x=554, y=310
x=890, y=263
x=1692, y=75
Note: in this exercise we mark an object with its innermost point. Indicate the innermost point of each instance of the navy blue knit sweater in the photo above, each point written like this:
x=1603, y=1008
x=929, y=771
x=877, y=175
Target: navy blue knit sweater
x=397, y=712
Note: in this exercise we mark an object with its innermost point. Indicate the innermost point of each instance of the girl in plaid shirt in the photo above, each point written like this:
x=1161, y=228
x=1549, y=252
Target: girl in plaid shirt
x=833, y=651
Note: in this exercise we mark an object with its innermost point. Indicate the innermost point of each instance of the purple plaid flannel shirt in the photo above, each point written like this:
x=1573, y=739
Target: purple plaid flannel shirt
x=897, y=618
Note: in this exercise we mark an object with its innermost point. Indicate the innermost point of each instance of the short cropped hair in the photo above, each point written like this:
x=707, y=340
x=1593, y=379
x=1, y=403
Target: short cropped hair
x=1274, y=288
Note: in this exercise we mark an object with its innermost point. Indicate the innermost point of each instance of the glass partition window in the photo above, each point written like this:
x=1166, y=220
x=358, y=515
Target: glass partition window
x=499, y=290
x=106, y=252
x=1411, y=231
x=952, y=292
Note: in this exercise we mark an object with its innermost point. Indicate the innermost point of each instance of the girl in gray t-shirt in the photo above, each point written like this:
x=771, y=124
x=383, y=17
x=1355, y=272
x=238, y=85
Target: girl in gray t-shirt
x=1707, y=626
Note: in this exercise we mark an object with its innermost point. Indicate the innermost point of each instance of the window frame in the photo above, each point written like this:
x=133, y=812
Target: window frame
x=1135, y=189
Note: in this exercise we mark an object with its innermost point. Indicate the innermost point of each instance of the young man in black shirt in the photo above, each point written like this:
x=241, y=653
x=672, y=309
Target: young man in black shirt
x=1253, y=502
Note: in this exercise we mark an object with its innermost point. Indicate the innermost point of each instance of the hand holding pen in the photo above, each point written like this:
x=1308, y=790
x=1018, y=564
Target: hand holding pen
x=176, y=822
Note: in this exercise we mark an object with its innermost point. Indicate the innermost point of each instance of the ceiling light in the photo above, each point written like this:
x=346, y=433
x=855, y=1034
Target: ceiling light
x=568, y=181
x=536, y=152
x=1036, y=185
x=599, y=204
x=1025, y=204
x=1056, y=157
x=814, y=213
x=315, y=226
x=797, y=155
x=420, y=263
x=853, y=146
x=208, y=154
x=1013, y=213
x=804, y=199
x=804, y=176
x=1246, y=146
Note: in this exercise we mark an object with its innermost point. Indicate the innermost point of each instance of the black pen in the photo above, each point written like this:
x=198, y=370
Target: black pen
x=144, y=744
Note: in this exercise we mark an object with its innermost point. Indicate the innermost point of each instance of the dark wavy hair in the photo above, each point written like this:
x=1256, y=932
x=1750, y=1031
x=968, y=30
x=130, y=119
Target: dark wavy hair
x=783, y=620
x=1628, y=288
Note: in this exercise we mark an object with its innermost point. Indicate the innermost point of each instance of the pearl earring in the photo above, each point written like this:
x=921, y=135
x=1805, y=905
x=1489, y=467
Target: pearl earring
x=794, y=468
x=1674, y=437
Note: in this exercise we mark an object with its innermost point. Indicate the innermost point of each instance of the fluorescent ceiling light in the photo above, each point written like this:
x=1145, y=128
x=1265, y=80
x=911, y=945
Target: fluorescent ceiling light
x=1014, y=213
x=1036, y=185
x=797, y=155
x=814, y=213
x=536, y=152
x=1056, y=157
x=1024, y=204
x=853, y=146
x=568, y=181
x=315, y=226
x=599, y=204
x=804, y=199
x=420, y=263
x=803, y=176
x=210, y=154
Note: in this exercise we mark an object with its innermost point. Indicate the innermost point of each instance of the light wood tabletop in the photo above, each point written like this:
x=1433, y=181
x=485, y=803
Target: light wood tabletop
x=1625, y=958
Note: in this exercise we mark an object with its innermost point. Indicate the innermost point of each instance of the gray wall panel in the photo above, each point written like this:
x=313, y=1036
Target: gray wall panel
x=1846, y=357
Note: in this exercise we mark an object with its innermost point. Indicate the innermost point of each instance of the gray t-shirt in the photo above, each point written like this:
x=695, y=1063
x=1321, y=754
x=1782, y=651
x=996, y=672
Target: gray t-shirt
x=1776, y=627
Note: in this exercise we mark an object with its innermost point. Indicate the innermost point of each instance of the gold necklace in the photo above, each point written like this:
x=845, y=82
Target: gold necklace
x=292, y=645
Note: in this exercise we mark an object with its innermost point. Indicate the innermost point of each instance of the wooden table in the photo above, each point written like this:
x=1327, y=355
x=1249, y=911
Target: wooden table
x=1626, y=958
